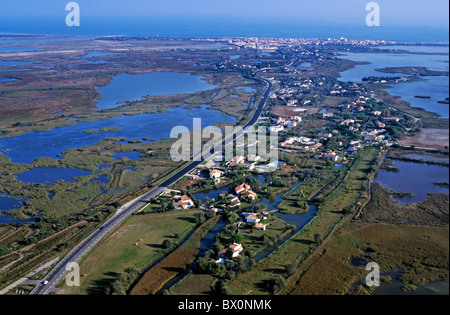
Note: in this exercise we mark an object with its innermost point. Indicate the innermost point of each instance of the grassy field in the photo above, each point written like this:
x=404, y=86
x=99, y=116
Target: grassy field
x=119, y=251
x=194, y=284
x=331, y=212
x=421, y=251
x=175, y=263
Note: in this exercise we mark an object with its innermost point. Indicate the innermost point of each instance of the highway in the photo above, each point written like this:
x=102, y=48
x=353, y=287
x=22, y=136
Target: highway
x=58, y=273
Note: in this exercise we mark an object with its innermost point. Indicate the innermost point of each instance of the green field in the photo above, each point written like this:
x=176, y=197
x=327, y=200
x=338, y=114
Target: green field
x=120, y=251
x=331, y=212
x=422, y=252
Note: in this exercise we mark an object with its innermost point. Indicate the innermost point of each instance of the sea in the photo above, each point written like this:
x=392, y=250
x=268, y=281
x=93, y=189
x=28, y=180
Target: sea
x=218, y=28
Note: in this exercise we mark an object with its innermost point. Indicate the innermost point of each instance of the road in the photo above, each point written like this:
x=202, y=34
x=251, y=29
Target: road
x=55, y=276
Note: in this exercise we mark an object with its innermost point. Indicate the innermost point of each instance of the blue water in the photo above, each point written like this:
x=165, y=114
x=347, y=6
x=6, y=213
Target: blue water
x=8, y=203
x=379, y=61
x=25, y=148
x=247, y=89
x=423, y=49
x=132, y=87
x=98, y=62
x=9, y=80
x=435, y=87
x=209, y=27
x=4, y=219
x=213, y=194
x=12, y=49
x=303, y=65
x=49, y=175
x=96, y=54
x=13, y=63
x=407, y=180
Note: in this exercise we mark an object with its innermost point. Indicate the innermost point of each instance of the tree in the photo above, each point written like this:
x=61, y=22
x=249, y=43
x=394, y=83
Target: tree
x=233, y=218
x=318, y=238
x=279, y=284
x=229, y=253
x=167, y=244
x=230, y=274
x=198, y=203
x=199, y=217
x=237, y=238
x=291, y=268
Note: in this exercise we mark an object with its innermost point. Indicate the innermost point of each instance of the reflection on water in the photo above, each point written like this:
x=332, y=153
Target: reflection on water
x=25, y=148
x=133, y=87
x=49, y=175
x=416, y=178
x=435, y=87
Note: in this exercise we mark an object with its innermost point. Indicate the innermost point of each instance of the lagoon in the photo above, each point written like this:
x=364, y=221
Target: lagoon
x=386, y=60
x=28, y=147
x=50, y=175
x=9, y=203
x=133, y=87
x=416, y=178
x=436, y=87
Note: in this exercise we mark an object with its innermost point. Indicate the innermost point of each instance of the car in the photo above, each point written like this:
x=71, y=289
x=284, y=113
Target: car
x=45, y=282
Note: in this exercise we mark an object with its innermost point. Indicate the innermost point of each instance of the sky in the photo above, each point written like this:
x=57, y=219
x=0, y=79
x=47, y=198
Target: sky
x=393, y=12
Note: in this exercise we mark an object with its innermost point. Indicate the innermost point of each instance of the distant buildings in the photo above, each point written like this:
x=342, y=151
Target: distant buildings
x=276, y=128
x=236, y=161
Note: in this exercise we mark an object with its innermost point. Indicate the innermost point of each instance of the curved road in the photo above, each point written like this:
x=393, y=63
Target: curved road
x=55, y=276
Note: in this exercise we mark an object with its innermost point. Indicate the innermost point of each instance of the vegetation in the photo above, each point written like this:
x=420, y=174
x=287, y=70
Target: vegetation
x=175, y=263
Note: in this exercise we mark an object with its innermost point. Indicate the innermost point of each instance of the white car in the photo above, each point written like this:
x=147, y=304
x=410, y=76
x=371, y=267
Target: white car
x=45, y=282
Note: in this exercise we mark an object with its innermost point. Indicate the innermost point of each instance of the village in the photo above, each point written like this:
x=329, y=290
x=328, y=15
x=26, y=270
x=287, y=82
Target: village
x=251, y=226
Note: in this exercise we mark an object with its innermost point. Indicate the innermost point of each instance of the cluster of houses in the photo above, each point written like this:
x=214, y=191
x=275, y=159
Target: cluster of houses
x=301, y=144
x=249, y=163
x=328, y=156
x=285, y=122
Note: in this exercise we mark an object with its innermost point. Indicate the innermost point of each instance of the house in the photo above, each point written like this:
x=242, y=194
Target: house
x=250, y=167
x=242, y=189
x=215, y=174
x=251, y=195
x=236, y=248
x=253, y=158
x=291, y=124
x=235, y=202
x=236, y=160
x=314, y=147
x=276, y=128
x=348, y=122
x=395, y=119
x=260, y=226
x=252, y=218
x=184, y=203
